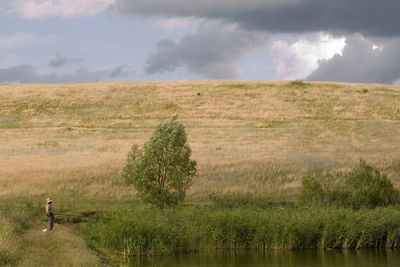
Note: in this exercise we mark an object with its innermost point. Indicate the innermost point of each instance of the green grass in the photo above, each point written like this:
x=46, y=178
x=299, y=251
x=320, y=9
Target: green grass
x=9, y=237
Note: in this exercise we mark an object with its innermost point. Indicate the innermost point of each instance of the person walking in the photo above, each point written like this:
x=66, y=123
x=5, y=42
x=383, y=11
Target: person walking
x=50, y=215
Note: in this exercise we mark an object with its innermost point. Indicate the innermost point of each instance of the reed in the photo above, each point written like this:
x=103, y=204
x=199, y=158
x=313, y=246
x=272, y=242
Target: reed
x=187, y=230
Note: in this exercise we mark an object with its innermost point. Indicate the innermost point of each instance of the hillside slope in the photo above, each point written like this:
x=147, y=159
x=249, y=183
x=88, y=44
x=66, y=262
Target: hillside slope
x=258, y=136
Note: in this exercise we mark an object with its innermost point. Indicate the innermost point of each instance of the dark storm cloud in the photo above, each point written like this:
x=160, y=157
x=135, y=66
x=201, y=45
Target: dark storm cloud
x=59, y=61
x=212, y=57
x=368, y=17
x=212, y=52
x=362, y=63
x=29, y=74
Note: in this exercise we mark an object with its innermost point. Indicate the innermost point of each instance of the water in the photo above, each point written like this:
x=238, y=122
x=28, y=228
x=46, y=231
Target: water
x=335, y=258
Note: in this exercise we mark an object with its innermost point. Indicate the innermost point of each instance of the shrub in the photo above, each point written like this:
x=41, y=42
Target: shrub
x=298, y=84
x=311, y=191
x=369, y=188
x=162, y=171
x=364, y=186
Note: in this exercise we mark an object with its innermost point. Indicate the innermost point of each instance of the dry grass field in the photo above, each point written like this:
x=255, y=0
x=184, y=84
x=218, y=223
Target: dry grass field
x=70, y=141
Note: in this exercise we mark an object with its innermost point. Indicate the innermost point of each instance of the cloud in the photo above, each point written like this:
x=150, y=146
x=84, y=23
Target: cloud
x=59, y=61
x=212, y=52
x=360, y=62
x=21, y=73
x=171, y=24
x=227, y=31
x=29, y=74
x=9, y=60
x=299, y=59
x=31, y=9
x=121, y=71
x=368, y=17
x=22, y=39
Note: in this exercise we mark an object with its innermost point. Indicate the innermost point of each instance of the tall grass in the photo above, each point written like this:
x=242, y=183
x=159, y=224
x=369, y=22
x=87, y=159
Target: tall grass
x=13, y=223
x=199, y=229
x=242, y=200
x=8, y=242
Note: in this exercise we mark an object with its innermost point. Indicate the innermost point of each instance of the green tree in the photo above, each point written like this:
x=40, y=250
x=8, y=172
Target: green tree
x=162, y=171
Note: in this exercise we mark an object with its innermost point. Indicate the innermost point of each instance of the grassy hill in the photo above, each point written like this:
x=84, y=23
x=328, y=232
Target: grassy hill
x=70, y=142
x=247, y=136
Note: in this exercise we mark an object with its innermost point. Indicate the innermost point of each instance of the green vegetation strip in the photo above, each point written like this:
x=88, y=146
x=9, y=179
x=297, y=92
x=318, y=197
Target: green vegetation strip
x=189, y=230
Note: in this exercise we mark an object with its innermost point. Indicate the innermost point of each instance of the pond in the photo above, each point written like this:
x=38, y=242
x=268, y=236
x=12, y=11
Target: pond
x=312, y=258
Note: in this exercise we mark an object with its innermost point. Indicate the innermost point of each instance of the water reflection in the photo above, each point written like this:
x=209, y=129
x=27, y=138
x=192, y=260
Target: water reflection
x=335, y=258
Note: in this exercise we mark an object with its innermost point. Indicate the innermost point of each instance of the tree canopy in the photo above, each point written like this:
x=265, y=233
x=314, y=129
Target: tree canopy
x=162, y=171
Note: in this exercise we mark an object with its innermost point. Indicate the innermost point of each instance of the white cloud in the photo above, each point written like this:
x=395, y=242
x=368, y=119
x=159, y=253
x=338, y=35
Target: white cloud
x=178, y=23
x=299, y=59
x=22, y=39
x=377, y=47
x=397, y=82
x=359, y=62
x=63, y=8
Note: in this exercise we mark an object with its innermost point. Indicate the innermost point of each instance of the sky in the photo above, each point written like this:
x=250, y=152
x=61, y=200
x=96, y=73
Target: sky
x=57, y=41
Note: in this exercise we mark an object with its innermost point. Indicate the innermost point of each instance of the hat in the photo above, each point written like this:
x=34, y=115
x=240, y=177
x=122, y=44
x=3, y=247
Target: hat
x=49, y=200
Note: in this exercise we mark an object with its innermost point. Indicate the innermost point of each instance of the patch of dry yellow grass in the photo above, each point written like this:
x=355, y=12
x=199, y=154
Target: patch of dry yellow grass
x=75, y=137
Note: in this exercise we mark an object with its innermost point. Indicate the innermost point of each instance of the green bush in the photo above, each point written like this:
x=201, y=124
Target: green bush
x=369, y=188
x=364, y=186
x=162, y=171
